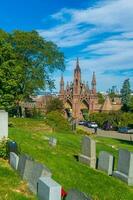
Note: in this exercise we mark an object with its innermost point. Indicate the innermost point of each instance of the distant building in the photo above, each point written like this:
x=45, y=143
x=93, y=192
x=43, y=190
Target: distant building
x=77, y=96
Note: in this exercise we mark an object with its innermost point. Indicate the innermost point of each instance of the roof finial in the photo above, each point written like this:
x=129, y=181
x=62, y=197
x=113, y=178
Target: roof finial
x=77, y=65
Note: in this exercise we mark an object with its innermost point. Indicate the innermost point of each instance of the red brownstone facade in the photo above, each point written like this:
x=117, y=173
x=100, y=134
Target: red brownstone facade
x=77, y=96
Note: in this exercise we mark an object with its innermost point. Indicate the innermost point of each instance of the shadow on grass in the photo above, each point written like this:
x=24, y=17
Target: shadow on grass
x=126, y=141
x=76, y=157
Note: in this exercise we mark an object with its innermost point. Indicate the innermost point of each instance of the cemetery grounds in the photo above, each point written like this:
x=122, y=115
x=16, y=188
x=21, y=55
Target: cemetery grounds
x=32, y=136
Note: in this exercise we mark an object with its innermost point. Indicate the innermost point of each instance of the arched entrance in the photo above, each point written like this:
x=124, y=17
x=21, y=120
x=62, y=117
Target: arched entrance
x=84, y=108
x=68, y=109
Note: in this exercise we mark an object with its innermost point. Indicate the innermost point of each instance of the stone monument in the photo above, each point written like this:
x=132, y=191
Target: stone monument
x=125, y=166
x=106, y=162
x=14, y=159
x=3, y=124
x=88, y=155
x=48, y=189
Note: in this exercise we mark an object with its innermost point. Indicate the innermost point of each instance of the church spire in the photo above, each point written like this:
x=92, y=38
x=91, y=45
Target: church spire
x=93, y=83
x=62, y=85
x=77, y=66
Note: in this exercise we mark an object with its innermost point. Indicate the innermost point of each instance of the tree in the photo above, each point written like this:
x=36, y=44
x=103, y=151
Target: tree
x=131, y=104
x=100, y=98
x=55, y=104
x=27, y=62
x=125, y=95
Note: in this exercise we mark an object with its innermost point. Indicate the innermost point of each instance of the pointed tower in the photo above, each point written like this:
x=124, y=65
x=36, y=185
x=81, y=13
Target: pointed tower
x=76, y=91
x=77, y=79
x=93, y=83
x=62, y=86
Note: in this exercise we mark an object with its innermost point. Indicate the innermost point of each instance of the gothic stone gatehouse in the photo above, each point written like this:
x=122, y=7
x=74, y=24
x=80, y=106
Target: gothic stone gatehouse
x=77, y=96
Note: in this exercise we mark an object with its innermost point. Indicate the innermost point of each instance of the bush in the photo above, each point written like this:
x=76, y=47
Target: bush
x=54, y=104
x=82, y=132
x=57, y=122
x=116, y=119
x=3, y=150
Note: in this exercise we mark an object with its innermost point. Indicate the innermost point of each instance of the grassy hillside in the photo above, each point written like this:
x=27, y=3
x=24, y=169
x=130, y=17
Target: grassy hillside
x=32, y=136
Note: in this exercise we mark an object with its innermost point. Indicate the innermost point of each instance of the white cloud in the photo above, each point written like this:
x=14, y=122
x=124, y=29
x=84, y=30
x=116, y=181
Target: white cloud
x=111, y=16
x=75, y=27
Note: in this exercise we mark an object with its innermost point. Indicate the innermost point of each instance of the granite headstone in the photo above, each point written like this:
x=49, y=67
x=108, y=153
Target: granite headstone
x=3, y=124
x=125, y=166
x=32, y=172
x=23, y=160
x=88, y=155
x=106, y=162
x=52, y=141
x=48, y=189
x=14, y=159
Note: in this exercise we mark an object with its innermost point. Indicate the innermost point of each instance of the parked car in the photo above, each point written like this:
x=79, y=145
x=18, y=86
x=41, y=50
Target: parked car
x=91, y=125
x=109, y=127
x=125, y=130
x=82, y=122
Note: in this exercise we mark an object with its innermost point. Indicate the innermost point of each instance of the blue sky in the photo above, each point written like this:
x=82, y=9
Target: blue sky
x=99, y=32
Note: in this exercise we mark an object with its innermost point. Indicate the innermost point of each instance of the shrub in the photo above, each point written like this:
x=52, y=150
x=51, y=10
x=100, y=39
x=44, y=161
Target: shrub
x=116, y=119
x=57, y=121
x=3, y=150
x=54, y=104
x=82, y=132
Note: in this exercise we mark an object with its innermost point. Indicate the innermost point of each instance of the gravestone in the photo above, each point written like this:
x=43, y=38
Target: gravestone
x=48, y=189
x=32, y=172
x=14, y=159
x=106, y=162
x=23, y=160
x=125, y=166
x=76, y=195
x=52, y=141
x=12, y=147
x=3, y=124
x=88, y=155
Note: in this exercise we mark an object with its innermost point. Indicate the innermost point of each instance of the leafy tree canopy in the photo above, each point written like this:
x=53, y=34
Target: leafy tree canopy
x=55, y=104
x=26, y=64
x=125, y=95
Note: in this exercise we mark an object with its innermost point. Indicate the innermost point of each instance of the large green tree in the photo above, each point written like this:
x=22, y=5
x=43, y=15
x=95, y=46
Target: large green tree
x=27, y=62
x=125, y=95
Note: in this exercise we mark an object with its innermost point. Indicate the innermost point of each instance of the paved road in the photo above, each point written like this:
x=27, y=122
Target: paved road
x=111, y=134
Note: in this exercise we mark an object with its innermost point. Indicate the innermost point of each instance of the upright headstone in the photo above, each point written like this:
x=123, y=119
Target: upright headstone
x=76, y=195
x=88, y=155
x=14, y=159
x=3, y=124
x=23, y=160
x=125, y=166
x=48, y=189
x=52, y=141
x=106, y=162
x=32, y=172
x=12, y=147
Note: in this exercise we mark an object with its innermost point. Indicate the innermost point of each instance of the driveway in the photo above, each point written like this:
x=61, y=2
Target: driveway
x=110, y=134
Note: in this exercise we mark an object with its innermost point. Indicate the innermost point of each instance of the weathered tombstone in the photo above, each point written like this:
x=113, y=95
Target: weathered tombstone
x=23, y=159
x=125, y=166
x=88, y=155
x=3, y=124
x=12, y=147
x=52, y=141
x=14, y=159
x=32, y=172
x=106, y=162
x=48, y=189
x=76, y=195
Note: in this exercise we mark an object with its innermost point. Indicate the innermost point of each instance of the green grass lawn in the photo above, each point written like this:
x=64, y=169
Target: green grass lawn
x=32, y=135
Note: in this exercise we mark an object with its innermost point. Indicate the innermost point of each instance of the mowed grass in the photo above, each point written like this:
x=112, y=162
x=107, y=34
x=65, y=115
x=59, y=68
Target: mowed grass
x=32, y=137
